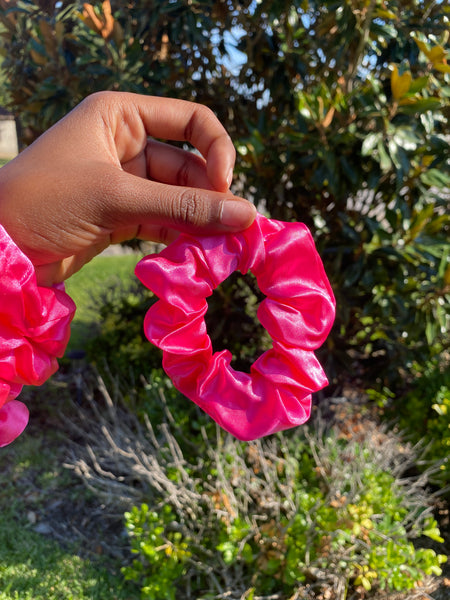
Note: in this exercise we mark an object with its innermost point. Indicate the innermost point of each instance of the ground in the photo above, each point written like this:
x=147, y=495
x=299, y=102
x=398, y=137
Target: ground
x=58, y=506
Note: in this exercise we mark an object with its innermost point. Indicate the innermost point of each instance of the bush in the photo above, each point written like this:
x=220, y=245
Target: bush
x=339, y=117
x=424, y=414
x=360, y=158
x=119, y=341
x=56, y=53
x=163, y=553
x=235, y=302
x=313, y=509
x=119, y=351
x=354, y=533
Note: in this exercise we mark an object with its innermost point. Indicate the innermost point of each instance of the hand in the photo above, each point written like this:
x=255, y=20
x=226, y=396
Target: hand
x=100, y=176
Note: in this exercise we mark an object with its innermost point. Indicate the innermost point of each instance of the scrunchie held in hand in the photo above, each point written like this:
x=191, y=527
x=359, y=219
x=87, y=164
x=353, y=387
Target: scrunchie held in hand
x=298, y=313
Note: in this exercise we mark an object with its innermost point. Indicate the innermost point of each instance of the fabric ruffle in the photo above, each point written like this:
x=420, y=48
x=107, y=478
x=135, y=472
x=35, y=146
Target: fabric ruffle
x=298, y=313
x=34, y=331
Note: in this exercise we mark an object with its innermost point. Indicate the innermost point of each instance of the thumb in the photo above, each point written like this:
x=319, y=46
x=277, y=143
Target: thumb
x=140, y=203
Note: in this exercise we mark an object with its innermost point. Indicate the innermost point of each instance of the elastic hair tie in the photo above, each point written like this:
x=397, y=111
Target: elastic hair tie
x=298, y=313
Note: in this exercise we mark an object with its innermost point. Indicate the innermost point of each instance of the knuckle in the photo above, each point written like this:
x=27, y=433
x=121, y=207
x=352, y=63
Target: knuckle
x=201, y=114
x=190, y=209
x=98, y=99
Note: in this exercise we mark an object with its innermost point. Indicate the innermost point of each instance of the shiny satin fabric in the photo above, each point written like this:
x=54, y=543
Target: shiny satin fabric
x=34, y=331
x=298, y=313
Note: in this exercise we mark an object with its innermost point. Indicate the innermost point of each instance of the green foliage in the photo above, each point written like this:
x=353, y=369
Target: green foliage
x=34, y=566
x=339, y=112
x=232, y=323
x=120, y=341
x=439, y=426
x=266, y=517
x=86, y=287
x=400, y=567
x=56, y=53
x=118, y=349
x=162, y=552
x=424, y=414
x=359, y=152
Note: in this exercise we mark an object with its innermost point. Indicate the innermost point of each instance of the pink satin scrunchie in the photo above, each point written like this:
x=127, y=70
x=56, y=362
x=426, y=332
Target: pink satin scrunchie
x=34, y=331
x=298, y=313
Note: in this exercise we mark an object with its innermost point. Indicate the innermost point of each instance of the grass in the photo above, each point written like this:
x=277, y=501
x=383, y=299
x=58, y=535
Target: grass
x=85, y=288
x=34, y=566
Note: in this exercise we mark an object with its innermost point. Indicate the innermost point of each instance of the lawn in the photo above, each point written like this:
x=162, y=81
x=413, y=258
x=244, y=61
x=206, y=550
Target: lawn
x=36, y=496
x=85, y=287
x=47, y=517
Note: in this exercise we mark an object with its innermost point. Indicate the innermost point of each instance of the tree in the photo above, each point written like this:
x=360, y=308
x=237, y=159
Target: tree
x=350, y=136
x=56, y=53
x=339, y=113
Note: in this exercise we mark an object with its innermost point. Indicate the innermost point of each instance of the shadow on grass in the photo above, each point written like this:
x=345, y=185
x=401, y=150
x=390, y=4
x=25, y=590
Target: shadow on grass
x=81, y=332
x=34, y=489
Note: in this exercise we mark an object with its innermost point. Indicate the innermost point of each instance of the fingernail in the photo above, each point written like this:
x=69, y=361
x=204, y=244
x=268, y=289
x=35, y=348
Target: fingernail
x=237, y=214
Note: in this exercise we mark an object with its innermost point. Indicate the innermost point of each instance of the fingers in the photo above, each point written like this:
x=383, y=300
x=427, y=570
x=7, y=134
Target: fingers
x=174, y=119
x=154, y=206
x=95, y=177
x=168, y=164
x=132, y=118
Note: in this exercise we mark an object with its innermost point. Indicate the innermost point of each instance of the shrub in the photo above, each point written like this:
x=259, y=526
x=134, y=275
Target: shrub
x=339, y=117
x=323, y=507
x=333, y=534
x=56, y=53
x=120, y=340
x=119, y=351
x=352, y=534
x=361, y=160
x=424, y=415
x=162, y=553
x=232, y=323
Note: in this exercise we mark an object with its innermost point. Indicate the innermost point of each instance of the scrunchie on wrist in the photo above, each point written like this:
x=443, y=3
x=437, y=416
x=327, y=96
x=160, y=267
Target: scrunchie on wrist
x=34, y=331
x=298, y=313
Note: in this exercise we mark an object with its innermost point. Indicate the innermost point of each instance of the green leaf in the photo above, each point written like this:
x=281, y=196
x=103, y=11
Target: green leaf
x=435, y=177
x=229, y=550
x=370, y=142
x=418, y=84
x=394, y=153
x=432, y=531
x=406, y=138
x=385, y=161
x=420, y=106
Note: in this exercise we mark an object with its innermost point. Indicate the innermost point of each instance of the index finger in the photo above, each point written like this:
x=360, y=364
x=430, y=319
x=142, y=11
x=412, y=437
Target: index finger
x=173, y=119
